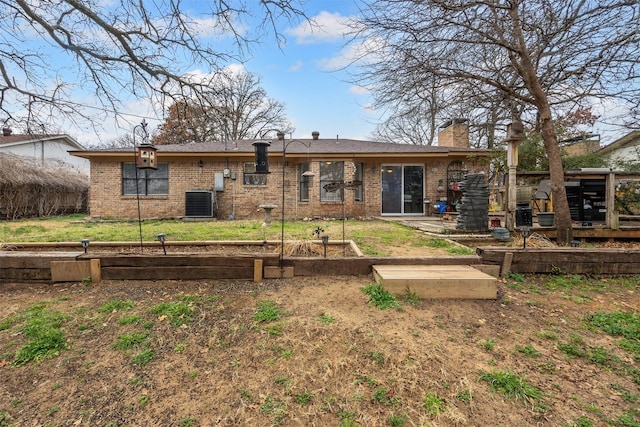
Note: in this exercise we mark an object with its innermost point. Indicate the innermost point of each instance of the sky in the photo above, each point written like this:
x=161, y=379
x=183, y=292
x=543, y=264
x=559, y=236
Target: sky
x=308, y=73
x=305, y=74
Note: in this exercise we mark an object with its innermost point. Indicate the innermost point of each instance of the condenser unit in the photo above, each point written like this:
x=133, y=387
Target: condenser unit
x=199, y=203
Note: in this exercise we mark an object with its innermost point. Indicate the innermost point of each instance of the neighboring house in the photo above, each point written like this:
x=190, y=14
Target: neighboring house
x=580, y=145
x=44, y=148
x=220, y=180
x=625, y=149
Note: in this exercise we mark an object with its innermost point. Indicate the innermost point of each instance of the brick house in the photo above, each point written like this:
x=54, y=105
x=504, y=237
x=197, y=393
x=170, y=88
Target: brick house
x=220, y=180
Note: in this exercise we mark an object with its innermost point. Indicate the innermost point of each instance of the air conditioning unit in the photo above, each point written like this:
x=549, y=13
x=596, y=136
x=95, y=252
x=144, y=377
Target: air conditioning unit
x=199, y=203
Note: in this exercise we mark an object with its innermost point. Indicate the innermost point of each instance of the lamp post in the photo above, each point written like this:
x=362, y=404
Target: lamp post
x=261, y=148
x=525, y=233
x=144, y=157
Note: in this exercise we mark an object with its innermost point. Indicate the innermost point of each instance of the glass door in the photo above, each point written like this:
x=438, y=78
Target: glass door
x=391, y=189
x=413, y=190
x=402, y=189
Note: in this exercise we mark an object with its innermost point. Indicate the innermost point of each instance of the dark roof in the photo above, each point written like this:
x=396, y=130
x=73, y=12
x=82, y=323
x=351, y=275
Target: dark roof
x=312, y=146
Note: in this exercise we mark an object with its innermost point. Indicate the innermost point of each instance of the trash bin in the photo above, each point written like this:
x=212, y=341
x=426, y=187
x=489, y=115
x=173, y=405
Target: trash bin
x=524, y=217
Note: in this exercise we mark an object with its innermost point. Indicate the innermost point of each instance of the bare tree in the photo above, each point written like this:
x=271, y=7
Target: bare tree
x=234, y=107
x=534, y=56
x=127, y=46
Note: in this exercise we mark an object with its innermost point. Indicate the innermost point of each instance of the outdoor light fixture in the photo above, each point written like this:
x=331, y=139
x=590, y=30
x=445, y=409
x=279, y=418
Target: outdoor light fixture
x=85, y=244
x=525, y=233
x=162, y=237
x=325, y=241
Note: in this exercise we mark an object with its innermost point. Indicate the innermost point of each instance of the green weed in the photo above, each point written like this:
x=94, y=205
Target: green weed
x=434, y=404
x=42, y=328
x=131, y=341
x=129, y=319
x=187, y=422
x=380, y=297
x=396, y=420
x=116, y=305
x=325, y=319
x=347, y=419
x=275, y=329
x=464, y=395
x=304, y=398
x=268, y=311
x=528, y=350
x=438, y=243
x=143, y=357
x=384, y=397
x=8, y=323
x=582, y=421
x=5, y=418
x=458, y=250
x=515, y=277
x=273, y=407
x=377, y=357
x=364, y=379
x=617, y=324
x=410, y=298
x=178, y=313
x=601, y=356
x=511, y=385
x=489, y=344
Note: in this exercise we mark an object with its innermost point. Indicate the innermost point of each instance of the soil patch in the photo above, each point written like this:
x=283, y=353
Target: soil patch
x=328, y=357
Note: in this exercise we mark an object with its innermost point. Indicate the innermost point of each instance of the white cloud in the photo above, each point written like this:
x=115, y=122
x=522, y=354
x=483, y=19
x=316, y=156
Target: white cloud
x=323, y=28
x=359, y=90
x=354, y=53
x=296, y=66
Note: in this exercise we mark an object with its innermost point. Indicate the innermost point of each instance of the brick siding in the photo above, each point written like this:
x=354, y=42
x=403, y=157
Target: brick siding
x=242, y=201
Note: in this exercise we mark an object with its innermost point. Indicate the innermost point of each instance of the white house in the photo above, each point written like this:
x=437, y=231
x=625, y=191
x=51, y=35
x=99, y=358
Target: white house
x=625, y=149
x=44, y=148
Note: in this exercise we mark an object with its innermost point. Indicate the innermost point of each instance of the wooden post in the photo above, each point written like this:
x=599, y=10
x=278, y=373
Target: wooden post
x=96, y=274
x=611, y=220
x=257, y=270
x=506, y=264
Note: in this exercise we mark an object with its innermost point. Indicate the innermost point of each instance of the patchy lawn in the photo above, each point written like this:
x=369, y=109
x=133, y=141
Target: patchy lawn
x=553, y=350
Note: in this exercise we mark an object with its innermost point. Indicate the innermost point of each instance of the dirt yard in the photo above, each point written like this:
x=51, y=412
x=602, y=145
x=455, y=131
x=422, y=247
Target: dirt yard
x=317, y=352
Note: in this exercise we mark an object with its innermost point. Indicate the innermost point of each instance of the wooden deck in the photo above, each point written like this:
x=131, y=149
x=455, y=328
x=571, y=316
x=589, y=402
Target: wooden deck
x=437, y=281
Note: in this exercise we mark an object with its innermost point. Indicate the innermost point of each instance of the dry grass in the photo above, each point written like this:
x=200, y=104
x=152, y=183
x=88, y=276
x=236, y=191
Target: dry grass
x=535, y=240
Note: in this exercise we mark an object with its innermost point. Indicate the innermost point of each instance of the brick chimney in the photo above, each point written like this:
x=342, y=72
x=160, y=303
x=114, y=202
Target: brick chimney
x=454, y=133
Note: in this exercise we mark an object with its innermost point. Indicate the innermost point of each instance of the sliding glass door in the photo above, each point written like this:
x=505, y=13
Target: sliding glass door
x=402, y=189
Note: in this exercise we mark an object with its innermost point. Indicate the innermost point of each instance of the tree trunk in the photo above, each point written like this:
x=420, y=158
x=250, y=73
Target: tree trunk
x=560, y=204
x=526, y=69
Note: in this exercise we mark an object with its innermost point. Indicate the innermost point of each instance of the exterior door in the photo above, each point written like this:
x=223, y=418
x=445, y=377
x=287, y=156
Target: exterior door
x=402, y=189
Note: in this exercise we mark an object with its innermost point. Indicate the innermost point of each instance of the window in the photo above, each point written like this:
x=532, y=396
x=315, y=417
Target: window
x=150, y=182
x=331, y=173
x=304, y=182
x=357, y=176
x=250, y=177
